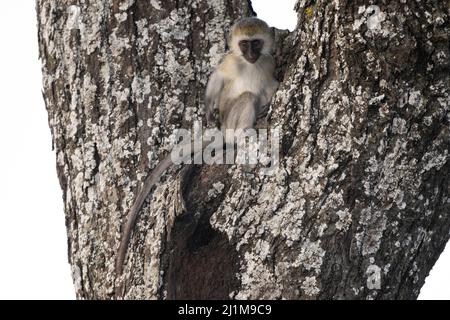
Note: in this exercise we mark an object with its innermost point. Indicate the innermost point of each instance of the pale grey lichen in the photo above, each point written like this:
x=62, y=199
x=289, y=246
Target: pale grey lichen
x=375, y=18
x=217, y=189
x=434, y=160
x=399, y=126
x=126, y=4
x=345, y=219
x=373, y=225
x=309, y=286
x=74, y=19
x=143, y=35
x=156, y=4
x=311, y=256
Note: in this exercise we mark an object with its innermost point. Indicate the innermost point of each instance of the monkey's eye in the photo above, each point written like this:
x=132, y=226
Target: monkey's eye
x=257, y=44
x=243, y=45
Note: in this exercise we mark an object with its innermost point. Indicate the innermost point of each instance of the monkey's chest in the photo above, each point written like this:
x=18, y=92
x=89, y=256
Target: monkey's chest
x=251, y=80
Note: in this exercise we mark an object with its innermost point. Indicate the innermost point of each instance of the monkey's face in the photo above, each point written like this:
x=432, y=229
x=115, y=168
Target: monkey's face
x=251, y=49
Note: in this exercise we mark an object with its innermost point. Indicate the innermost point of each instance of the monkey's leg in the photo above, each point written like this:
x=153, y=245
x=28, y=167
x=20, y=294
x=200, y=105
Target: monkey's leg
x=246, y=134
x=246, y=105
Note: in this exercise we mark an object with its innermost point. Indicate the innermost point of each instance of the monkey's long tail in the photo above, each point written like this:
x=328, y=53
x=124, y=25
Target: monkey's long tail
x=150, y=181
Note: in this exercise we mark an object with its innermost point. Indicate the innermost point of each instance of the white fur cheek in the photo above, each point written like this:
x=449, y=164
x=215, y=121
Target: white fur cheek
x=268, y=45
x=235, y=48
x=234, y=45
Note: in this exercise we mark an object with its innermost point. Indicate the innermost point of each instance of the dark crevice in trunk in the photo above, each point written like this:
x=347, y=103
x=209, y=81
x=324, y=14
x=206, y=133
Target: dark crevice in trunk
x=200, y=262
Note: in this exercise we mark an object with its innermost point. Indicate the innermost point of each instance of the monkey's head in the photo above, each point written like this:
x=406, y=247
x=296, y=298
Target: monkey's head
x=251, y=37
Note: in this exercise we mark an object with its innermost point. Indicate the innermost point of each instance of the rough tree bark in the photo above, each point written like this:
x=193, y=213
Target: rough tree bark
x=359, y=207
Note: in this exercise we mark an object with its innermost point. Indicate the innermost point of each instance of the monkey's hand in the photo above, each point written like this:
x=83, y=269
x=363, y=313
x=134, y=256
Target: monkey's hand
x=210, y=118
x=263, y=111
x=213, y=90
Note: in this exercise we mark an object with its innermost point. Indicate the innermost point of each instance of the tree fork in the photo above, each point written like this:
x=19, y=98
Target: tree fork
x=359, y=207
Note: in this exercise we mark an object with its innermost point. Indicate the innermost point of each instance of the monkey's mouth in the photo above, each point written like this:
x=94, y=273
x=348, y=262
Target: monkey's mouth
x=251, y=59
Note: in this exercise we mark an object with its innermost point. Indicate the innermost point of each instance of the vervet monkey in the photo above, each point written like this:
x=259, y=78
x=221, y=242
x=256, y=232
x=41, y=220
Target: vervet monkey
x=243, y=84
x=241, y=87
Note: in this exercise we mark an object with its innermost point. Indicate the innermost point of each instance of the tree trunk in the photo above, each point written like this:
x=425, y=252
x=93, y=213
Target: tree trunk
x=359, y=206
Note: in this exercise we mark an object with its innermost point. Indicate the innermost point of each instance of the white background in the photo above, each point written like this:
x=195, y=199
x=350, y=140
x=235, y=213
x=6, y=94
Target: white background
x=33, y=245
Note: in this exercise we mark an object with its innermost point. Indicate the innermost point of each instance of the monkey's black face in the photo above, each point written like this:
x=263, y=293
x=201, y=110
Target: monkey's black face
x=251, y=49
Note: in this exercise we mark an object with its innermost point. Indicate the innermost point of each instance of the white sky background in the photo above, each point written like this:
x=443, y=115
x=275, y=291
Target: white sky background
x=33, y=244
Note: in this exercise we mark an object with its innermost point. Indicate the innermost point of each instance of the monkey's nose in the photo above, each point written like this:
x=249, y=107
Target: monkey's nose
x=252, y=56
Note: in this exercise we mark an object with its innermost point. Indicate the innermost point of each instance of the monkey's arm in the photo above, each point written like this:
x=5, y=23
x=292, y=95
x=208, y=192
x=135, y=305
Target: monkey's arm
x=213, y=89
x=150, y=181
x=266, y=98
